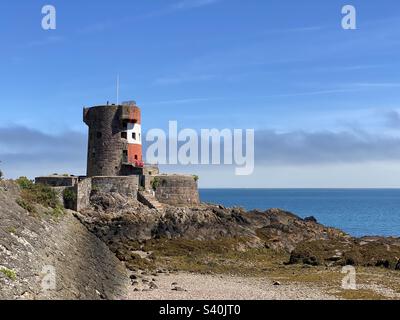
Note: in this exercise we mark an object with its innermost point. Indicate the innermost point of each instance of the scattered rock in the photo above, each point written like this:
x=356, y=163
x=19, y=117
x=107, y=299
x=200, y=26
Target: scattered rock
x=179, y=289
x=153, y=286
x=276, y=283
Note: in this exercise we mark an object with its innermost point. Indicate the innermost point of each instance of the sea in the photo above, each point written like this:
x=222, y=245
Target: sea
x=359, y=212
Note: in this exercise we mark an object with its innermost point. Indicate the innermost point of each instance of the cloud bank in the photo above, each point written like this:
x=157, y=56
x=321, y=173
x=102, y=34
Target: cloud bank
x=25, y=151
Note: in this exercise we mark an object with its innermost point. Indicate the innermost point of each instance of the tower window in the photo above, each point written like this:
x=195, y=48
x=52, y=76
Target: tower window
x=134, y=135
x=136, y=157
x=99, y=135
x=124, y=135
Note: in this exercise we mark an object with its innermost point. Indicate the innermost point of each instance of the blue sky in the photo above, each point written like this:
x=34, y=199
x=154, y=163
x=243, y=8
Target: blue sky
x=324, y=101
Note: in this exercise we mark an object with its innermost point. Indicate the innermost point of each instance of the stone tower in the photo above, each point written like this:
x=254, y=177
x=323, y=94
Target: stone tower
x=115, y=139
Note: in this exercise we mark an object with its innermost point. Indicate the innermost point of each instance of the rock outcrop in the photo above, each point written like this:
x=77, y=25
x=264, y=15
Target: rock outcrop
x=118, y=221
x=115, y=218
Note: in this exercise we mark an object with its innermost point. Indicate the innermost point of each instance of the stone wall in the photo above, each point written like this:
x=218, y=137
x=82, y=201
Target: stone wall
x=57, y=181
x=178, y=190
x=82, y=191
x=127, y=186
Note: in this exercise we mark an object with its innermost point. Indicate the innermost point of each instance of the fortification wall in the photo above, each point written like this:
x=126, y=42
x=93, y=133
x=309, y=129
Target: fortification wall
x=124, y=185
x=178, y=190
x=57, y=181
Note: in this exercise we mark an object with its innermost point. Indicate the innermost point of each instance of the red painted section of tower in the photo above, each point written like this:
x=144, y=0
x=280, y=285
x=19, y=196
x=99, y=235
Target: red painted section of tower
x=135, y=153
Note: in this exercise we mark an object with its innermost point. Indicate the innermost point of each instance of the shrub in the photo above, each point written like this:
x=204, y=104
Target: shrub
x=24, y=183
x=69, y=195
x=1, y=175
x=196, y=178
x=32, y=194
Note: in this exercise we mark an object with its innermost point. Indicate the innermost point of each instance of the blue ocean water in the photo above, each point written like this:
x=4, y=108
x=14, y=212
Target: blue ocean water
x=358, y=212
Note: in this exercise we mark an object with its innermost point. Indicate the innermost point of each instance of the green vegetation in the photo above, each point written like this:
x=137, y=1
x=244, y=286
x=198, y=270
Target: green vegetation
x=69, y=195
x=155, y=183
x=1, y=175
x=24, y=183
x=10, y=274
x=196, y=178
x=38, y=194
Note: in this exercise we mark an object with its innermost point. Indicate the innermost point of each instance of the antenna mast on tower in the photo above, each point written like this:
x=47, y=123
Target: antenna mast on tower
x=117, y=89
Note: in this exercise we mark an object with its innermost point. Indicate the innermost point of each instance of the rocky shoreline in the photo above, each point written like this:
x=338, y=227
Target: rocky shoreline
x=121, y=222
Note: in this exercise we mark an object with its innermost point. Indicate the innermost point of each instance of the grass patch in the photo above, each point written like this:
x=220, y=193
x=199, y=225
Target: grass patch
x=10, y=274
x=38, y=194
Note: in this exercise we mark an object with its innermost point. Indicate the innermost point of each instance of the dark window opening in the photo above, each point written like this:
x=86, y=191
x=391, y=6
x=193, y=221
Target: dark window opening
x=134, y=135
x=125, y=156
x=94, y=155
x=99, y=135
x=150, y=173
x=136, y=157
x=124, y=135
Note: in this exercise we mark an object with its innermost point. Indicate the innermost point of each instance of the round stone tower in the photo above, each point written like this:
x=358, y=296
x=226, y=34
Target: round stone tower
x=115, y=139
